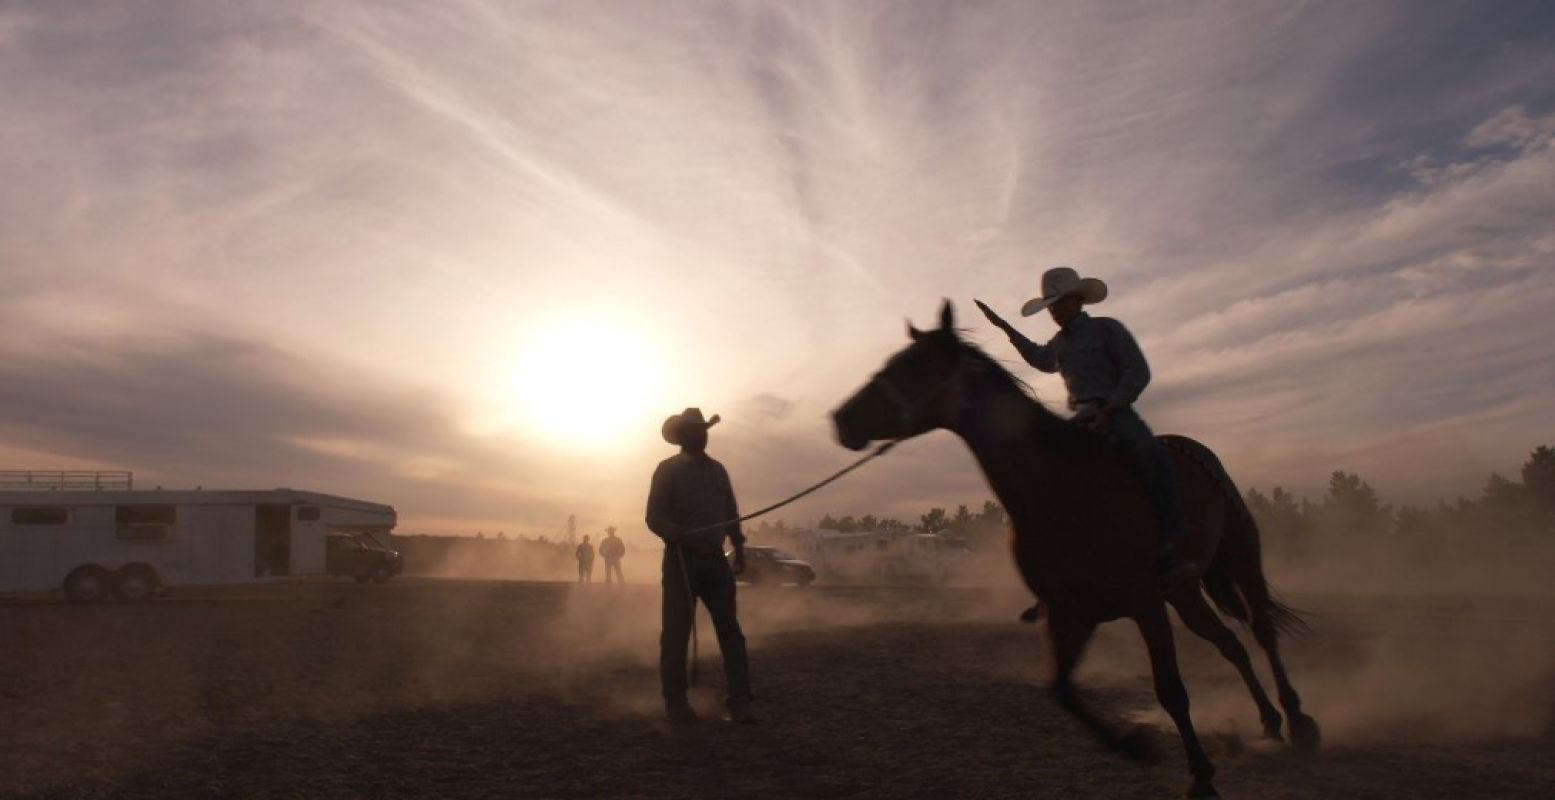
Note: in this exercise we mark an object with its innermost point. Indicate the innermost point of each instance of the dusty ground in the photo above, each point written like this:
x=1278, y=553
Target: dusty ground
x=462, y=689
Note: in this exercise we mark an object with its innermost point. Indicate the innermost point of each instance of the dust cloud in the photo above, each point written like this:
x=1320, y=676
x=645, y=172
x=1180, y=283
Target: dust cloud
x=1449, y=647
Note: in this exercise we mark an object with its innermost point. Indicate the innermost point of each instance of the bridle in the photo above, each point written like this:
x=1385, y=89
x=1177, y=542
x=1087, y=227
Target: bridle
x=907, y=409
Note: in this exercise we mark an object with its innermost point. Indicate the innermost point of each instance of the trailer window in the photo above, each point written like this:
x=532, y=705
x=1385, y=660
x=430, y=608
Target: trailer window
x=38, y=516
x=145, y=515
x=142, y=533
x=308, y=514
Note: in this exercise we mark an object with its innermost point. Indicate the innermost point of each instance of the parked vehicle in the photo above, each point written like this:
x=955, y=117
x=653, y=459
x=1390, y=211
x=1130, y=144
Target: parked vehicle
x=869, y=557
x=361, y=556
x=134, y=544
x=771, y=566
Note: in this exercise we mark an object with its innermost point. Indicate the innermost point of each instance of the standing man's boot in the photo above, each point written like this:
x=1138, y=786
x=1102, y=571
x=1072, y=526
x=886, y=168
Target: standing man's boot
x=679, y=712
x=741, y=713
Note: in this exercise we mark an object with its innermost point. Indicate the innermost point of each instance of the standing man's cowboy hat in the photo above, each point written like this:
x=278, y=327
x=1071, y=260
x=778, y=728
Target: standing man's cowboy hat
x=1061, y=281
x=691, y=416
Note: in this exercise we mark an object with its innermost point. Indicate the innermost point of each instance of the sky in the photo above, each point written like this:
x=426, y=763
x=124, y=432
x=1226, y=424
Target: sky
x=464, y=257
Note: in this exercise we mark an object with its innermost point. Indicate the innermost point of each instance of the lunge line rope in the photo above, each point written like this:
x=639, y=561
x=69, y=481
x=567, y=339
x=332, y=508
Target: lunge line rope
x=685, y=575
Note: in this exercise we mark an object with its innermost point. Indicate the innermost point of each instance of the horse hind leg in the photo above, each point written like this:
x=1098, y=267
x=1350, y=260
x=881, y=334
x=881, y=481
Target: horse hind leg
x=1173, y=696
x=1267, y=616
x=1202, y=620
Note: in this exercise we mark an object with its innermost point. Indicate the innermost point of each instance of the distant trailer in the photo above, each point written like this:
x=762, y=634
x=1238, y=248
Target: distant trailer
x=134, y=544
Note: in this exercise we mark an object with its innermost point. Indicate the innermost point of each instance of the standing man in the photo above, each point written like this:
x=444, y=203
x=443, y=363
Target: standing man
x=1105, y=372
x=691, y=507
x=585, y=555
x=612, y=549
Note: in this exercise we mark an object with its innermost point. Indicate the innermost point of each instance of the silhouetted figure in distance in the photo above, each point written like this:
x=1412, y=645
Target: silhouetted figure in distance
x=612, y=550
x=585, y=556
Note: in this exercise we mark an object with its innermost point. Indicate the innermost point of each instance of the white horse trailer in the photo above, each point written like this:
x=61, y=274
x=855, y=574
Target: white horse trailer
x=131, y=544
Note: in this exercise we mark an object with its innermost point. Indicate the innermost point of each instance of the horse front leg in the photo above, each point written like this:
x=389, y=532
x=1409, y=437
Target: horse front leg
x=1156, y=629
x=1067, y=637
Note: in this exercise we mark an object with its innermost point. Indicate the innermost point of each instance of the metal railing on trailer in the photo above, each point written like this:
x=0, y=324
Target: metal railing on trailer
x=70, y=479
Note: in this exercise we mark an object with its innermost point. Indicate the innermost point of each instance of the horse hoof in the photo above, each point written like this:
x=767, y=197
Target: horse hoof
x=1202, y=788
x=1304, y=734
x=1271, y=728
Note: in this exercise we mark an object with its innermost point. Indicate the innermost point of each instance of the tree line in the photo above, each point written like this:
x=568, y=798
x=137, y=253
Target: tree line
x=1506, y=511
x=977, y=529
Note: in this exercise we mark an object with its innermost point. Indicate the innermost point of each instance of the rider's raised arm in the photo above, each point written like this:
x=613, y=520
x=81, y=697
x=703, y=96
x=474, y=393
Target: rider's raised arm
x=1040, y=356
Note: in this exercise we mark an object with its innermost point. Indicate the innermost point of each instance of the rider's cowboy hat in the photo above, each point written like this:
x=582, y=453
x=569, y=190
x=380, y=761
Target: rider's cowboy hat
x=1061, y=281
x=691, y=416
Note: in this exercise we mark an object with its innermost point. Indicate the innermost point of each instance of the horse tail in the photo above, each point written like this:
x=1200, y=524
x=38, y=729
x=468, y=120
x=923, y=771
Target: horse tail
x=1218, y=585
x=1234, y=577
x=1228, y=597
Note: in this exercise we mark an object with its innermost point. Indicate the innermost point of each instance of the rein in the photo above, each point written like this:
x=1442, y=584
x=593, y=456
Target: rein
x=879, y=451
x=907, y=408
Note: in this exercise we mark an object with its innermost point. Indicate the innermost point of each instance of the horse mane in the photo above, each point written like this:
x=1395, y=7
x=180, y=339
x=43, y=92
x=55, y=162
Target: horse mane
x=993, y=366
x=1055, y=429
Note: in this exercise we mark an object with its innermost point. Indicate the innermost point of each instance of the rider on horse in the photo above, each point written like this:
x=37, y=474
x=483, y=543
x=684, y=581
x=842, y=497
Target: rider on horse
x=1105, y=372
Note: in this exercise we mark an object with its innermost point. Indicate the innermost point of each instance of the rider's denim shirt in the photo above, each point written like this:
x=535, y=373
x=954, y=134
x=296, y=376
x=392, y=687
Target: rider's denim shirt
x=1097, y=356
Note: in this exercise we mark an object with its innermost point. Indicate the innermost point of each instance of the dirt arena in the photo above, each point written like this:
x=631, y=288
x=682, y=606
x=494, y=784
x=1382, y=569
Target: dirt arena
x=423, y=688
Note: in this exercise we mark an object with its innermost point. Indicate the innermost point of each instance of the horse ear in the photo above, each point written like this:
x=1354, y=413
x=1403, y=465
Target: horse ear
x=947, y=316
x=913, y=333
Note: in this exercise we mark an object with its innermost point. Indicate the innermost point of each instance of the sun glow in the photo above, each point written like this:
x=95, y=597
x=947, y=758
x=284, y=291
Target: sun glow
x=587, y=381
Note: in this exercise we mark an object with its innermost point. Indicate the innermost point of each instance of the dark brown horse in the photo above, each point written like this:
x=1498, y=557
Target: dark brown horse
x=1084, y=533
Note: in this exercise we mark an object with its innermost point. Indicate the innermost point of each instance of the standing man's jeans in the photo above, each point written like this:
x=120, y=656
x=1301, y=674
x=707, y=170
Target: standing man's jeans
x=613, y=566
x=1154, y=465
x=585, y=572
x=712, y=582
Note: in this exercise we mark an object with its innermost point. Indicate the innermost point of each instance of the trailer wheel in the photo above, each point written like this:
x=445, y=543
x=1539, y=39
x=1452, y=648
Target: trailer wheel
x=135, y=582
x=87, y=584
x=380, y=574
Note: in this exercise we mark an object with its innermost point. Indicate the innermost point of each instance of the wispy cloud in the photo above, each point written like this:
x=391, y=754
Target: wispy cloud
x=250, y=241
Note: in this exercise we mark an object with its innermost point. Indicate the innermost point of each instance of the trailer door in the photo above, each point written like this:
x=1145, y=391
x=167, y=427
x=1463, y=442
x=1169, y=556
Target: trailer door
x=272, y=540
x=308, y=541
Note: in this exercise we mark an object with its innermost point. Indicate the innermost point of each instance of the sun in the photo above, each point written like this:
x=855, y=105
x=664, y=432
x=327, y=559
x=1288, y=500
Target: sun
x=587, y=381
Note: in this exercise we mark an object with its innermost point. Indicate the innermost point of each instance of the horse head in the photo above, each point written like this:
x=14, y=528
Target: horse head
x=918, y=390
